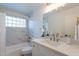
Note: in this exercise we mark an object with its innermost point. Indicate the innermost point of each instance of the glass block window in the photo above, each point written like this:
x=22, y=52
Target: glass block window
x=15, y=22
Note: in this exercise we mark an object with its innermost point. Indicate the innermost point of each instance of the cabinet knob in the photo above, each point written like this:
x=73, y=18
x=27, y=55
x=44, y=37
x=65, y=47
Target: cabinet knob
x=33, y=45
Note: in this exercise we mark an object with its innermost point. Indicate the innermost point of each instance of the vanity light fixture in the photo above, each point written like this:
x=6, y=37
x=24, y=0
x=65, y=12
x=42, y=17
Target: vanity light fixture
x=53, y=6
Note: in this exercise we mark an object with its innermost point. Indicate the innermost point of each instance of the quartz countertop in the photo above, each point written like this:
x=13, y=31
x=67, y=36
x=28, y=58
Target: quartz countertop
x=70, y=50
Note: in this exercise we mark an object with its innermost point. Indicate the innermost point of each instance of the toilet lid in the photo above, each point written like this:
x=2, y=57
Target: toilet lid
x=27, y=48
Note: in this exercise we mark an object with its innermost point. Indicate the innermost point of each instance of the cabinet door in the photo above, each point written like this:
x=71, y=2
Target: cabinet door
x=40, y=50
x=36, y=50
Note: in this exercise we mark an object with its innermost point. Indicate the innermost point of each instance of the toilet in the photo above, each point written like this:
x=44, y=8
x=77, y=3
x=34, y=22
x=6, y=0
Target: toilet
x=26, y=50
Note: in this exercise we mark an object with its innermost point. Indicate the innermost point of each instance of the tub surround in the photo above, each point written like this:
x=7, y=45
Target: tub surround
x=16, y=50
x=64, y=49
x=16, y=35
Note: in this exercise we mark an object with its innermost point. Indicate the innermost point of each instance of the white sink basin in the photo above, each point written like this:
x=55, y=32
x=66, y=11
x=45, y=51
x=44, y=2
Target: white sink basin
x=53, y=43
x=50, y=42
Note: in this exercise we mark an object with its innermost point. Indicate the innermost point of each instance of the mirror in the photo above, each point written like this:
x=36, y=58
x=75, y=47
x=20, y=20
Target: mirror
x=45, y=26
x=62, y=22
x=53, y=24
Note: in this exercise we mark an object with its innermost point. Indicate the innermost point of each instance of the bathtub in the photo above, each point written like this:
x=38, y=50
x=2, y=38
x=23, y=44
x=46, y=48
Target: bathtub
x=16, y=50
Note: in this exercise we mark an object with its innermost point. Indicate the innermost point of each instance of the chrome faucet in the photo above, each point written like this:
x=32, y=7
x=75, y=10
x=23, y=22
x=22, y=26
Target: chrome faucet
x=49, y=36
x=53, y=37
x=57, y=37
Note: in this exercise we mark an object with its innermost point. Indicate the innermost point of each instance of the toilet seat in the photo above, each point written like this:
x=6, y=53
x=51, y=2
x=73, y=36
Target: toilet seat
x=27, y=50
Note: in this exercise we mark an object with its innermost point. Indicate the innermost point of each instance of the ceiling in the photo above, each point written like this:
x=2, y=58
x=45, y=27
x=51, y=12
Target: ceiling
x=62, y=8
x=24, y=8
x=29, y=8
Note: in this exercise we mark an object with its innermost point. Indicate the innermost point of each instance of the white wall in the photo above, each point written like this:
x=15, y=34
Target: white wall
x=2, y=33
x=37, y=22
x=64, y=21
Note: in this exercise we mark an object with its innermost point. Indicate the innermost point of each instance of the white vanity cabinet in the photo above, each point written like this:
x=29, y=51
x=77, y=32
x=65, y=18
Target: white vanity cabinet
x=40, y=50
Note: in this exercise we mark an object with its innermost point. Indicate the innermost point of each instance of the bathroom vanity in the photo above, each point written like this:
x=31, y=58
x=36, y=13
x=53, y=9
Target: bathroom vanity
x=42, y=48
